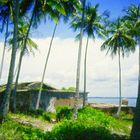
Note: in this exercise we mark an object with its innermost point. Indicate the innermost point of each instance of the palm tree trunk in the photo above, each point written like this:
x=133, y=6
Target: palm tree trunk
x=5, y=42
x=21, y=57
x=85, y=73
x=45, y=67
x=16, y=82
x=5, y=102
x=120, y=88
x=135, y=132
x=76, y=104
x=16, y=69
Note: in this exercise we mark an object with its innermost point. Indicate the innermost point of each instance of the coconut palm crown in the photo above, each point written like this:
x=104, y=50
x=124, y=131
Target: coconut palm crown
x=119, y=38
x=92, y=22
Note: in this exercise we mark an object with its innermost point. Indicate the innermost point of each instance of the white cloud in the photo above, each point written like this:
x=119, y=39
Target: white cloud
x=102, y=70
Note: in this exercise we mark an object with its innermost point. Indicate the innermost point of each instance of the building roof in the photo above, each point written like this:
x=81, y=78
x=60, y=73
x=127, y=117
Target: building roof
x=29, y=86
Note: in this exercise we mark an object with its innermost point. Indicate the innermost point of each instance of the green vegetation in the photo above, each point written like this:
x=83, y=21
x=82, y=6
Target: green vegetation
x=70, y=89
x=91, y=124
x=63, y=113
x=38, y=114
x=12, y=130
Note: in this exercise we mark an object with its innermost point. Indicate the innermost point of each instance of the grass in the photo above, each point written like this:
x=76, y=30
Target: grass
x=38, y=114
x=91, y=124
x=11, y=130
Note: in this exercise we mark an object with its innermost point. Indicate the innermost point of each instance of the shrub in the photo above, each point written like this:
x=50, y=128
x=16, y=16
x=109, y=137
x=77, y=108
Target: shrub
x=49, y=116
x=91, y=124
x=77, y=130
x=63, y=113
x=96, y=117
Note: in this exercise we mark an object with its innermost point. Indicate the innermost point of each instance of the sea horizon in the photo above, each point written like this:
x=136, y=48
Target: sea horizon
x=111, y=97
x=112, y=100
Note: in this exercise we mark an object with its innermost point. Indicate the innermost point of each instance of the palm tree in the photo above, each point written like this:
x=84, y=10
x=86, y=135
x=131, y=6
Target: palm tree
x=92, y=27
x=18, y=8
x=36, y=16
x=38, y=13
x=5, y=11
x=76, y=104
x=63, y=9
x=5, y=102
x=133, y=23
x=119, y=43
x=30, y=46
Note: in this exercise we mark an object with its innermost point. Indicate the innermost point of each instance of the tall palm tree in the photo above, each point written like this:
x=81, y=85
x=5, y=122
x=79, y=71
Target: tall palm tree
x=5, y=102
x=17, y=9
x=92, y=27
x=36, y=16
x=119, y=43
x=5, y=11
x=30, y=46
x=63, y=9
x=132, y=18
x=76, y=104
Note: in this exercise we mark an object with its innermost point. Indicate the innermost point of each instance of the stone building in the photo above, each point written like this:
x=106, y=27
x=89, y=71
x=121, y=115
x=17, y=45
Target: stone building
x=51, y=98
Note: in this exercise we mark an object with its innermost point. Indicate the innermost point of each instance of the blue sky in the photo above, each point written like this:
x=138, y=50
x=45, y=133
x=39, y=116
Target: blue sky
x=115, y=8
x=102, y=77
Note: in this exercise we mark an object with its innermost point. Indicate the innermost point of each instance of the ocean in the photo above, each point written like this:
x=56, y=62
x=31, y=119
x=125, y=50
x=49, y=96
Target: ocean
x=112, y=100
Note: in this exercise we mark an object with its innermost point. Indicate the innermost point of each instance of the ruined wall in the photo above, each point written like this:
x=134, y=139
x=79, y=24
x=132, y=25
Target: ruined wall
x=26, y=100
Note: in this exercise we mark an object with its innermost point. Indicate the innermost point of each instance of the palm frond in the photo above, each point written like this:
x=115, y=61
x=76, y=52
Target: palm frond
x=119, y=39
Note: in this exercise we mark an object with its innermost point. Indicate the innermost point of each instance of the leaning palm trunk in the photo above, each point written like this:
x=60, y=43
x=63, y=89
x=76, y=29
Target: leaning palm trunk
x=135, y=133
x=5, y=42
x=120, y=90
x=85, y=73
x=6, y=97
x=16, y=82
x=16, y=69
x=21, y=57
x=76, y=104
x=45, y=67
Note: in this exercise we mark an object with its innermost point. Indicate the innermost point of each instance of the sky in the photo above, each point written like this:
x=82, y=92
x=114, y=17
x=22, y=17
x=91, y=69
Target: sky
x=102, y=70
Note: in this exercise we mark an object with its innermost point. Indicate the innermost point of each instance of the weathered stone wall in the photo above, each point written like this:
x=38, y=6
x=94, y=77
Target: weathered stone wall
x=26, y=100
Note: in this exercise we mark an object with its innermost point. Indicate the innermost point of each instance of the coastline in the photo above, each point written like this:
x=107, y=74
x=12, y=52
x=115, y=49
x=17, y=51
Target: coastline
x=107, y=107
x=112, y=100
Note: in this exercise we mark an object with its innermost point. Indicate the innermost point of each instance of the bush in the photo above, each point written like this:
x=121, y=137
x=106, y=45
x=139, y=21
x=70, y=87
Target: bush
x=77, y=130
x=63, y=113
x=95, y=117
x=49, y=116
x=91, y=124
x=42, y=114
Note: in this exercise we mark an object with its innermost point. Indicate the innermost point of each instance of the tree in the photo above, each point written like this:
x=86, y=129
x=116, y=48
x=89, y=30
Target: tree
x=36, y=16
x=30, y=46
x=119, y=43
x=5, y=102
x=92, y=27
x=79, y=62
x=63, y=9
x=18, y=8
x=5, y=11
x=132, y=18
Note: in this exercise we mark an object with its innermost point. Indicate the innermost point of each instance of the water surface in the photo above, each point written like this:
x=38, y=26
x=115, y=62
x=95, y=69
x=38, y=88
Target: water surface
x=112, y=100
